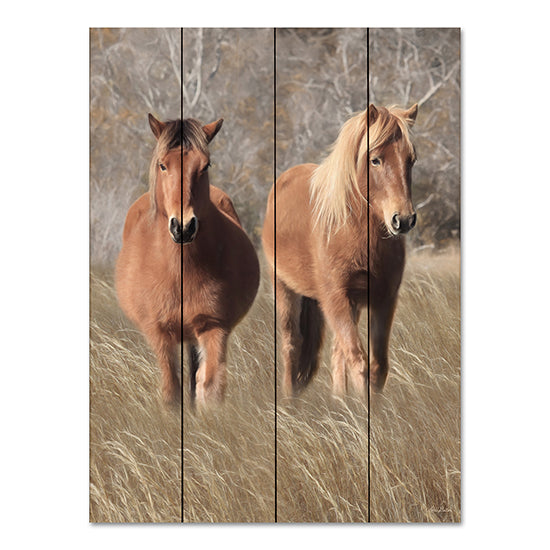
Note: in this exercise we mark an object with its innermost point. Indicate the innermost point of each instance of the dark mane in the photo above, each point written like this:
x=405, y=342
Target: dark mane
x=186, y=133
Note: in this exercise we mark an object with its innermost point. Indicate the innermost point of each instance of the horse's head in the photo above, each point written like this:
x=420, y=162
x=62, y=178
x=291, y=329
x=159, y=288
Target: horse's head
x=179, y=178
x=391, y=158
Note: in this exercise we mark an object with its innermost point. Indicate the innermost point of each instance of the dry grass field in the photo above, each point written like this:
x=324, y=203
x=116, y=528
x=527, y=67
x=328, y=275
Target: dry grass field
x=135, y=445
x=135, y=442
x=322, y=444
x=415, y=424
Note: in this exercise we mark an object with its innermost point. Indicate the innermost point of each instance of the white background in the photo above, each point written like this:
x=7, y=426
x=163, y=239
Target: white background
x=44, y=286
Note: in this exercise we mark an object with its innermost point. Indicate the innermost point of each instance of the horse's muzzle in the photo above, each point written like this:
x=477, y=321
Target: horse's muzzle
x=402, y=224
x=184, y=235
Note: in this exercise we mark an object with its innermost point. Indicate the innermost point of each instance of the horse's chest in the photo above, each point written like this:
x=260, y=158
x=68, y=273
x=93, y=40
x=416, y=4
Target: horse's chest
x=201, y=294
x=363, y=289
x=357, y=286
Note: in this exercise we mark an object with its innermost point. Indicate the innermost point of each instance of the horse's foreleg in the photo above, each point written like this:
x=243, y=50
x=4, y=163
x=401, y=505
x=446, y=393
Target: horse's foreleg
x=339, y=371
x=166, y=350
x=194, y=362
x=339, y=379
x=348, y=358
x=288, y=309
x=381, y=318
x=211, y=375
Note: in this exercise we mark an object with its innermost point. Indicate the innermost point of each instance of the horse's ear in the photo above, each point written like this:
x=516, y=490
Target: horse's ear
x=156, y=125
x=410, y=115
x=212, y=129
x=373, y=114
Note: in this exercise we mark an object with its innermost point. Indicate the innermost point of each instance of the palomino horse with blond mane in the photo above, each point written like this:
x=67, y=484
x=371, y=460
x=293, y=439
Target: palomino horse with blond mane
x=336, y=246
x=184, y=235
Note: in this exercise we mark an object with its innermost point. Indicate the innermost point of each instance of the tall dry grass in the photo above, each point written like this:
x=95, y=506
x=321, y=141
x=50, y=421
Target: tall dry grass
x=322, y=444
x=135, y=445
x=135, y=442
x=228, y=461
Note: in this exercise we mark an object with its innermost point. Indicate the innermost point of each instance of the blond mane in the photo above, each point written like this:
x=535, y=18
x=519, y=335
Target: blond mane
x=334, y=188
x=188, y=134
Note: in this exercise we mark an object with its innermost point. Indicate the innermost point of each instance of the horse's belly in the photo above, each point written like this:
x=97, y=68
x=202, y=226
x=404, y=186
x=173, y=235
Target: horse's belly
x=299, y=279
x=198, y=312
x=210, y=302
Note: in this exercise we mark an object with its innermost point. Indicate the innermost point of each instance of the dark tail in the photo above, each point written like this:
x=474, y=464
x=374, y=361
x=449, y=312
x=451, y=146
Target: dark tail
x=193, y=368
x=311, y=329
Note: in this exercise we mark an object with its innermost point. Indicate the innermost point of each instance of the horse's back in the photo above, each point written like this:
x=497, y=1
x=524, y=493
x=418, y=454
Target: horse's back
x=293, y=226
x=293, y=205
x=295, y=178
x=127, y=264
x=133, y=235
x=136, y=216
x=239, y=260
x=224, y=204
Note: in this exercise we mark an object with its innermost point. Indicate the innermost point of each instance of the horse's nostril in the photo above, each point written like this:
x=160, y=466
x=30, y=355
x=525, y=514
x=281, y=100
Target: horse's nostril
x=395, y=222
x=175, y=226
x=175, y=230
x=413, y=220
x=190, y=230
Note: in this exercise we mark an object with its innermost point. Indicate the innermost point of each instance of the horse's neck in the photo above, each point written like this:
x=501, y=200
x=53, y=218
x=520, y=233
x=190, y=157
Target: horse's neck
x=372, y=242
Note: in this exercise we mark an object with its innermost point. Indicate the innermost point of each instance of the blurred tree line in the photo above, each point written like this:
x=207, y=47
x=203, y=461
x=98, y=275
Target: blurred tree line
x=301, y=83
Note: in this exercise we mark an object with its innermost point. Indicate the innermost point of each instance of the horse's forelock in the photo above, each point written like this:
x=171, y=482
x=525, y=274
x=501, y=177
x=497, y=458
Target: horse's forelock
x=334, y=184
x=392, y=123
x=188, y=134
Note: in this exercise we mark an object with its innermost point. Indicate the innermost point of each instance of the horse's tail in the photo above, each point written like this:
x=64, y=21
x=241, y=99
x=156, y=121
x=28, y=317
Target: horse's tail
x=311, y=329
x=194, y=362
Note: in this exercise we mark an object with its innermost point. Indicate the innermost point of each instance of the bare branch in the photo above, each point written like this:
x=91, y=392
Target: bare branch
x=436, y=87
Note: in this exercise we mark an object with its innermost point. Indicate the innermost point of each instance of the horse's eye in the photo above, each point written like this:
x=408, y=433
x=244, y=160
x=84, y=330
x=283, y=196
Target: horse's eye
x=206, y=167
x=375, y=161
x=162, y=166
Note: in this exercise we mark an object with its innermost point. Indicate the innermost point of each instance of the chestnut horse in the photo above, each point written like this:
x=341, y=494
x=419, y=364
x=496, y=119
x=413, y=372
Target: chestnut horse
x=338, y=247
x=184, y=235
